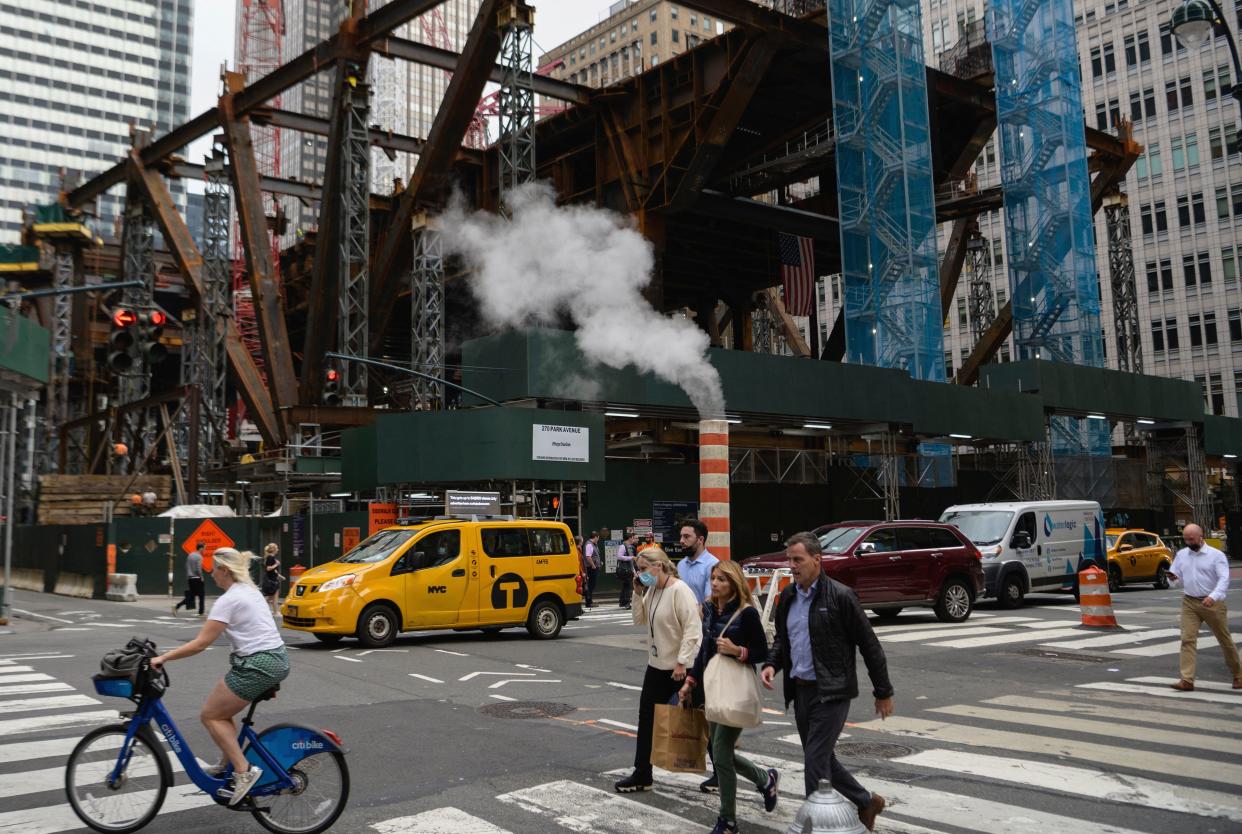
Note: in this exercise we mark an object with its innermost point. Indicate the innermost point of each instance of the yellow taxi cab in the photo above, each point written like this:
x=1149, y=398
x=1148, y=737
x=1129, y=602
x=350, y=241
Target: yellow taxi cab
x=440, y=574
x=1137, y=556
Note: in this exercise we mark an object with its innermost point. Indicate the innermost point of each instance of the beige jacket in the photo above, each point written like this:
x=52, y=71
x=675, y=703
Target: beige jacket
x=673, y=636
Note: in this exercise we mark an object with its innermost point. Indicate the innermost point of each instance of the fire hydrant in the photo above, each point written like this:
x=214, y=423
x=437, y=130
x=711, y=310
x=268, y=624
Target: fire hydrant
x=826, y=812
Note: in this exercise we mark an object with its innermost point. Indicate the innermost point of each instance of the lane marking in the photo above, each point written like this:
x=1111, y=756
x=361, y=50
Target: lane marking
x=882, y=630
x=25, y=678
x=588, y=810
x=41, y=616
x=55, y=819
x=47, y=702
x=971, y=736
x=347, y=657
x=624, y=686
x=1081, y=781
x=1198, y=683
x=911, y=636
x=502, y=697
x=499, y=684
x=52, y=722
x=24, y=688
x=1206, y=641
x=532, y=668
x=455, y=654
x=1117, y=639
x=9, y=670
x=440, y=821
x=1084, y=707
x=373, y=651
x=631, y=727
x=471, y=676
x=427, y=678
x=1166, y=692
x=1005, y=639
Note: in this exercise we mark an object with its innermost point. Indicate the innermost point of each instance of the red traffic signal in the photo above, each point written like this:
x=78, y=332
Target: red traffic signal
x=334, y=375
x=157, y=318
x=124, y=318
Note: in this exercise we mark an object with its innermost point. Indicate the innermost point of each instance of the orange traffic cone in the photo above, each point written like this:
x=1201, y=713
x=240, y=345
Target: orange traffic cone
x=1094, y=599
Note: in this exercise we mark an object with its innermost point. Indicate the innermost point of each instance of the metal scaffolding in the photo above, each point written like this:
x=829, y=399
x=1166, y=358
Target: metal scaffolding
x=427, y=314
x=355, y=247
x=1125, y=294
x=982, y=297
x=216, y=309
x=1023, y=471
x=64, y=276
x=885, y=186
x=516, y=97
x=1177, y=474
x=138, y=240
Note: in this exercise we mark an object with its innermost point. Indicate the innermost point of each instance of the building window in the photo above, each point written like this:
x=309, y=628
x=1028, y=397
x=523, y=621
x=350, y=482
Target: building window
x=1162, y=220
x=1209, y=329
x=1216, y=145
x=1177, y=154
x=655, y=38
x=672, y=12
x=1192, y=150
x=654, y=14
x=1229, y=264
x=1153, y=278
x=1196, y=208
x=1157, y=336
x=694, y=20
x=1170, y=334
x=1145, y=219
x=961, y=314
x=676, y=36
x=1166, y=39
x=1216, y=82
x=1237, y=375
x=1188, y=269
x=1205, y=268
x=1154, y=162
x=1196, y=335
x=1183, y=214
x=1166, y=274
x=1235, y=192
x=1097, y=63
x=1217, y=394
x=948, y=364
x=1110, y=60
x=1178, y=94
x=1235, y=325
x=1101, y=116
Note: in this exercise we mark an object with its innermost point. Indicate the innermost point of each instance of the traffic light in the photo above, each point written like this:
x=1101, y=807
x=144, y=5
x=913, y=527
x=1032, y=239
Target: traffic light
x=150, y=328
x=121, y=339
x=332, y=387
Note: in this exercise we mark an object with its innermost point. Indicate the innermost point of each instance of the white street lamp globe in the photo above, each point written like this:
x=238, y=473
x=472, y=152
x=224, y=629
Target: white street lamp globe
x=1193, y=23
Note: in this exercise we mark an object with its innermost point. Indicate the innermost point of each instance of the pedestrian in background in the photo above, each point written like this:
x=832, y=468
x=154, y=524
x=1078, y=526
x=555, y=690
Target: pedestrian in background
x=590, y=566
x=625, y=569
x=1203, y=572
x=270, y=586
x=696, y=566
x=194, y=580
x=819, y=625
x=667, y=609
x=733, y=628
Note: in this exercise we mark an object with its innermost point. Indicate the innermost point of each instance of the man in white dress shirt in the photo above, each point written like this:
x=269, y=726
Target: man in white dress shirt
x=1203, y=572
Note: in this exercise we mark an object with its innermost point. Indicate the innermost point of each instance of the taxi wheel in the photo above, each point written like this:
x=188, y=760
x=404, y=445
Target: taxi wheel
x=330, y=639
x=1115, y=579
x=1162, y=577
x=377, y=627
x=545, y=620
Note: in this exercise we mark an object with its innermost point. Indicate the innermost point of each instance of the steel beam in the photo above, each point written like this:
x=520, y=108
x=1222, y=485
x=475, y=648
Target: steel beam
x=353, y=238
x=391, y=256
x=252, y=222
x=955, y=259
x=190, y=262
x=271, y=185
x=1125, y=293
x=996, y=334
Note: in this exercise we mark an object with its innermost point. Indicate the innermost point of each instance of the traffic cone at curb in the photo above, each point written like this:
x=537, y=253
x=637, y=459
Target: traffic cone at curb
x=1094, y=599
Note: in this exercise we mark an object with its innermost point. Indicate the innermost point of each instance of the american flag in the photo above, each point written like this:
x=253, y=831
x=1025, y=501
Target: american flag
x=798, y=273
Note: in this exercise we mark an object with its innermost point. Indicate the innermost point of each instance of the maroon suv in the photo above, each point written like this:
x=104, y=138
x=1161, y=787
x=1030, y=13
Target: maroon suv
x=897, y=564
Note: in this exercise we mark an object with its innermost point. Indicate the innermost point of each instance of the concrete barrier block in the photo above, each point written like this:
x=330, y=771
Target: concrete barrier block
x=28, y=579
x=75, y=585
x=122, y=587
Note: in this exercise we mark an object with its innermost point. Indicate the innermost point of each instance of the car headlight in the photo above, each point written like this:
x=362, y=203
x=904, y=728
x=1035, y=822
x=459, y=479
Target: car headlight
x=340, y=582
x=991, y=552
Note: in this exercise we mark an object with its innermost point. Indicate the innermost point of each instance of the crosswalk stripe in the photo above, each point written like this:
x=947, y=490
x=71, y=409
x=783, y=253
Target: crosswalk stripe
x=34, y=676
x=1206, y=641
x=1082, y=707
x=1199, y=684
x=24, y=688
x=1081, y=781
x=10, y=670
x=55, y=819
x=53, y=778
x=589, y=810
x=1005, y=639
x=911, y=636
x=440, y=821
x=1190, y=767
x=892, y=629
x=49, y=748
x=1116, y=639
x=1153, y=735
x=974, y=813
x=53, y=722
x=1214, y=697
x=47, y=702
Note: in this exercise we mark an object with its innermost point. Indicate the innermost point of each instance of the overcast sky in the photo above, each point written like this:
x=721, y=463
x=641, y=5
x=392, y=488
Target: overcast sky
x=556, y=21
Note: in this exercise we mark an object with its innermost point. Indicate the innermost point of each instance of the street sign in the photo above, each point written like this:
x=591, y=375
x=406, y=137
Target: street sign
x=212, y=537
x=379, y=516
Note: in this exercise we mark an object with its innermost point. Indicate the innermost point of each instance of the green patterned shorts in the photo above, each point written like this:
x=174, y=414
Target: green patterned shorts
x=254, y=674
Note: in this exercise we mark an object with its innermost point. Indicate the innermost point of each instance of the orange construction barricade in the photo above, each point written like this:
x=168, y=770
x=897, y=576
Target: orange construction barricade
x=1093, y=598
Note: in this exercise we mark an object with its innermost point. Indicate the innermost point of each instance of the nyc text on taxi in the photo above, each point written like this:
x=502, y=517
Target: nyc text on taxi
x=440, y=574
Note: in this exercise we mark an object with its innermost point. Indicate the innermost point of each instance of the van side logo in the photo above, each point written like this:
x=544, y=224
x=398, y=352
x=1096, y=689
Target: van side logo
x=1050, y=525
x=509, y=591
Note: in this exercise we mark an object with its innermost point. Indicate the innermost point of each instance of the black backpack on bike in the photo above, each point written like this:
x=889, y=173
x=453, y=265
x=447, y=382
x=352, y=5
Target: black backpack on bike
x=130, y=663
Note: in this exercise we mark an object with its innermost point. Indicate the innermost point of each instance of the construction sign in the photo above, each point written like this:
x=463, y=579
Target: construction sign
x=212, y=537
x=379, y=516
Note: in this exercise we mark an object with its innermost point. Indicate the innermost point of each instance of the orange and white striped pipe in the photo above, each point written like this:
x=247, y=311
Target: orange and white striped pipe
x=714, y=484
x=1094, y=599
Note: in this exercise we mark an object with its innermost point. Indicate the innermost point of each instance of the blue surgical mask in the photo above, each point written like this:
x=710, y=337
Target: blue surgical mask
x=647, y=579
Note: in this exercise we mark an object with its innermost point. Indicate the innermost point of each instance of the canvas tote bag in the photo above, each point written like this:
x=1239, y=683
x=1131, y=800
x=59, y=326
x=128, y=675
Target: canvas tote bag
x=731, y=690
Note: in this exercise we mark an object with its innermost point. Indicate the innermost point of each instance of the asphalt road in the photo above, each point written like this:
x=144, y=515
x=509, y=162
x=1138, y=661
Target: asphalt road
x=1016, y=722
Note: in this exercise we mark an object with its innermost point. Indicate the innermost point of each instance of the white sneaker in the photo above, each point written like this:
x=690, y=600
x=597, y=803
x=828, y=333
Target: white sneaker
x=217, y=769
x=243, y=782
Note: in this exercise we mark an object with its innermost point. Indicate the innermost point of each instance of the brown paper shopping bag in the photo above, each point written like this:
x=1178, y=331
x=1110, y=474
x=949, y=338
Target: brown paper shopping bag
x=679, y=739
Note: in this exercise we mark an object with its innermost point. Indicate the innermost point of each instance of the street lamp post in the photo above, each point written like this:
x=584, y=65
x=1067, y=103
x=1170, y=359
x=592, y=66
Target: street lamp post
x=1195, y=22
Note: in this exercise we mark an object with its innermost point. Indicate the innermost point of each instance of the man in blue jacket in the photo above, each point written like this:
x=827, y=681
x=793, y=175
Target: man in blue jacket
x=819, y=624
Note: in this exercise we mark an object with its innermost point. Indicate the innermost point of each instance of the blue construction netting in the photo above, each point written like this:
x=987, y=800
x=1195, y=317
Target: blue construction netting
x=1048, y=227
x=885, y=187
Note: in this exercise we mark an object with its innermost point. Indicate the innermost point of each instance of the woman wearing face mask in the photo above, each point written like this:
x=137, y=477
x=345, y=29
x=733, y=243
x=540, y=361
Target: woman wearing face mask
x=664, y=606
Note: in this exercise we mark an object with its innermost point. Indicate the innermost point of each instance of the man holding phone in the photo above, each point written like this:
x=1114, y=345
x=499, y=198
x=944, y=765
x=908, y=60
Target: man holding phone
x=1203, y=572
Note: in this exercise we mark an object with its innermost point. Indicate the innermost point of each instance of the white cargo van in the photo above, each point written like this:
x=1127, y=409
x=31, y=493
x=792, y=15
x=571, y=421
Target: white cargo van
x=1031, y=546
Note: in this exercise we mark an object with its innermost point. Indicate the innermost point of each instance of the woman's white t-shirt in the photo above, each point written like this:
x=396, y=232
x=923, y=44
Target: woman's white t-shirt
x=247, y=620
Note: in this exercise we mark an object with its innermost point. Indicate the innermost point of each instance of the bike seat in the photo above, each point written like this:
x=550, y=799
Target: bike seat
x=269, y=694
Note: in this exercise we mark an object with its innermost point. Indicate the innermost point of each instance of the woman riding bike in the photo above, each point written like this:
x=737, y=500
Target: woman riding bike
x=258, y=662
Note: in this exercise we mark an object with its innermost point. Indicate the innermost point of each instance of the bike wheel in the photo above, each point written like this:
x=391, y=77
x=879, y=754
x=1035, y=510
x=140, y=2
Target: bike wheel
x=313, y=805
x=136, y=797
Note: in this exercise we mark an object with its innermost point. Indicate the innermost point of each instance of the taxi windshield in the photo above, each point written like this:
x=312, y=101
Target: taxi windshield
x=838, y=539
x=983, y=527
x=379, y=547
x=1112, y=541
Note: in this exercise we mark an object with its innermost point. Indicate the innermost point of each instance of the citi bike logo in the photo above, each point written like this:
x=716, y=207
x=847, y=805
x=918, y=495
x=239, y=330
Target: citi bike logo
x=1050, y=525
x=172, y=738
x=307, y=745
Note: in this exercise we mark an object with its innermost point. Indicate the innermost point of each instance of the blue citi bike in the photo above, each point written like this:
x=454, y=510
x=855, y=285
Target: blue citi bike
x=118, y=775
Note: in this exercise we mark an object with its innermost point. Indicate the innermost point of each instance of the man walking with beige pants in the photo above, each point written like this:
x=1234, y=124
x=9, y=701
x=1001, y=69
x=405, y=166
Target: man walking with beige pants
x=1203, y=572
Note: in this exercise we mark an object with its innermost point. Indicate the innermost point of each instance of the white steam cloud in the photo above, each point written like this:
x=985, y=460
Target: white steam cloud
x=549, y=261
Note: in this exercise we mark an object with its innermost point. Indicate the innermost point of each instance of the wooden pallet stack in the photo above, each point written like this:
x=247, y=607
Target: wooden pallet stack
x=82, y=499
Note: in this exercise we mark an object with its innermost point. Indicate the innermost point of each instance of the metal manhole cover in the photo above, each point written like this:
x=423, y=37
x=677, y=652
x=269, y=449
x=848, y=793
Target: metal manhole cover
x=873, y=749
x=527, y=709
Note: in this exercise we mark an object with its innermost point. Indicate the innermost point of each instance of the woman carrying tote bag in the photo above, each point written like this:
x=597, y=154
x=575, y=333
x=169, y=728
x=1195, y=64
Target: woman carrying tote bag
x=733, y=642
